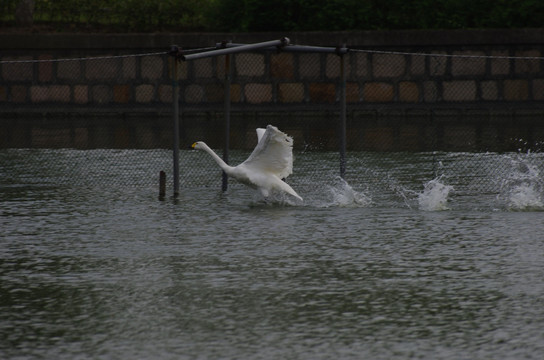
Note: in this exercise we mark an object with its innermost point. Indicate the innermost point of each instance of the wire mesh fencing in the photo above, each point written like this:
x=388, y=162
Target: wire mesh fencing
x=99, y=106
x=409, y=117
x=475, y=114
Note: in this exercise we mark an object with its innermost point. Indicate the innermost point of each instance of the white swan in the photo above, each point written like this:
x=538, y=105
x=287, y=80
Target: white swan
x=269, y=163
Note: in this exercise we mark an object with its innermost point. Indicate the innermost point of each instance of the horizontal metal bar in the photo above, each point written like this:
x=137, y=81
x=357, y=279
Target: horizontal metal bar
x=294, y=48
x=230, y=50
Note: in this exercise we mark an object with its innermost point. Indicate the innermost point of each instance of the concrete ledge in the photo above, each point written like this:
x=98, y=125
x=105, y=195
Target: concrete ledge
x=353, y=39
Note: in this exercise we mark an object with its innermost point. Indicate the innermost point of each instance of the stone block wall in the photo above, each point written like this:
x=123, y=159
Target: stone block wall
x=457, y=77
x=486, y=71
x=447, y=77
x=51, y=81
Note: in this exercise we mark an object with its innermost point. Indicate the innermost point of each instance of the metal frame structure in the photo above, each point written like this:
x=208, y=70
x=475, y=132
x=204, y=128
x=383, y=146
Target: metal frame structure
x=229, y=48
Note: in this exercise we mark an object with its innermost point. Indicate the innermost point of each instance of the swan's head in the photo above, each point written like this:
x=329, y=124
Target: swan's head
x=197, y=145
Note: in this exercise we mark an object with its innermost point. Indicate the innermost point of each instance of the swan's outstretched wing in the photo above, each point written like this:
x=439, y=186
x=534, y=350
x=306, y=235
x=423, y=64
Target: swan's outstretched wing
x=273, y=153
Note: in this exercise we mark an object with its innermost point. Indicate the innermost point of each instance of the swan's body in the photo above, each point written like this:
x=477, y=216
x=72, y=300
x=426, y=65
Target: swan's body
x=269, y=163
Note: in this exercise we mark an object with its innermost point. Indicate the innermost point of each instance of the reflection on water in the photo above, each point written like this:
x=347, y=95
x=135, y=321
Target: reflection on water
x=355, y=272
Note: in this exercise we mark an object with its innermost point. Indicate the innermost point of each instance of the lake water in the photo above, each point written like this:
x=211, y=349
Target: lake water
x=416, y=256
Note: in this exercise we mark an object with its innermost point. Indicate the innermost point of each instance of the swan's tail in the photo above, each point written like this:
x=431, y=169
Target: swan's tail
x=288, y=189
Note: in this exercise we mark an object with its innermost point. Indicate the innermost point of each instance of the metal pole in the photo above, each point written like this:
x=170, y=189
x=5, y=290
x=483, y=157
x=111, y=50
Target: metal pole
x=226, y=110
x=342, y=117
x=175, y=99
x=292, y=48
x=277, y=43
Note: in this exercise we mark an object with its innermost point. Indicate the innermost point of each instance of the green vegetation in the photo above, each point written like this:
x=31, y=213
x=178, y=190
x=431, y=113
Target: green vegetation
x=118, y=15
x=275, y=15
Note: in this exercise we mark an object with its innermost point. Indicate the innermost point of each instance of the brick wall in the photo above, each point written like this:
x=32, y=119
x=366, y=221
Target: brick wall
x=470, y=74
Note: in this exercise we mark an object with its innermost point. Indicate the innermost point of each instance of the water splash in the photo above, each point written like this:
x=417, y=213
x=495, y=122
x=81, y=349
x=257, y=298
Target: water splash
x=434, y=196
x=276, y=198
x=525, y=197
x=343, y=194
x=402, y=192
x=523, y=187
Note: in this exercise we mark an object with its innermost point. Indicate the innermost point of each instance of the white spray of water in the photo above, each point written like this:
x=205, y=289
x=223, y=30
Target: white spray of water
x=337, y=194
x=525, y=197
x=434, y=196
x=344, y=195
x=523, y=187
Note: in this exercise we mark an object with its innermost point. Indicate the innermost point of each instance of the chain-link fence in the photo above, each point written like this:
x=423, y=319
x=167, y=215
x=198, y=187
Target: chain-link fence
x=413, y=116
x=97, y=106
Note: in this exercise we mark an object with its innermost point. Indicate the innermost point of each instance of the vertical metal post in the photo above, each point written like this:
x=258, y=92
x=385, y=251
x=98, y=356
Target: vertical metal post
x=342, y=117
x=162, y=185
x=226, y=110
x=175, y=100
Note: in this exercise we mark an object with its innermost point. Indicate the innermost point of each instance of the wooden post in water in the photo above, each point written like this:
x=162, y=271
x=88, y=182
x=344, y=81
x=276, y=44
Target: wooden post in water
x=162, y=185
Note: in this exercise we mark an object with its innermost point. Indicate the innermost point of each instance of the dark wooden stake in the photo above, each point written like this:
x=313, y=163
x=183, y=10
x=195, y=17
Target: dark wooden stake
x=162, y=185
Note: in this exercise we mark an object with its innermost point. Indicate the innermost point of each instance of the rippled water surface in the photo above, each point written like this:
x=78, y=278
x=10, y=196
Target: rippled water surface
x=359, y=270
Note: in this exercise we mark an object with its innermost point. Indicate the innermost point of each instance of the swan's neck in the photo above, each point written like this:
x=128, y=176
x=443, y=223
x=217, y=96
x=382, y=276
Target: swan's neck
x=223, y=165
